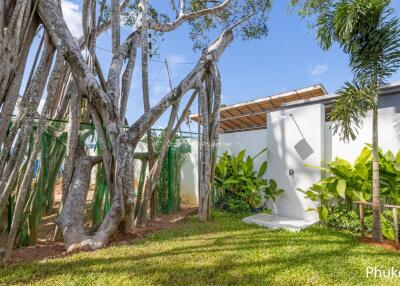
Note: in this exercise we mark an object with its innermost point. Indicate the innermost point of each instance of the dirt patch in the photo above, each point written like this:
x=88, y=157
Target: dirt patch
x=162, y=222
x=46, y=249
x=386, y=244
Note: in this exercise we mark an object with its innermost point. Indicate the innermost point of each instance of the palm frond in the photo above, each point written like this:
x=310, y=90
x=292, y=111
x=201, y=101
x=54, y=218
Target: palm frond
x=352, y=105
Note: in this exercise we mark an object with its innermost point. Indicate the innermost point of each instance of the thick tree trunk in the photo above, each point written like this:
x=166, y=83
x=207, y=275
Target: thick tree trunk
x=123, y=142
x=210, y=115
x=146, y=102
x=204, y=157
x=72, y=142
x=72, y=218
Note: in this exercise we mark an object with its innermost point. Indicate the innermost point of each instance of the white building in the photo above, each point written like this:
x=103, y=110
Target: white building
x=295, y=128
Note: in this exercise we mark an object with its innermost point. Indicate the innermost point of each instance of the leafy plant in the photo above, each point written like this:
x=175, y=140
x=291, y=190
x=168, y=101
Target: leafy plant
x=236, y=178
x=349, y=220
x=346, y=182
x=234, y=204
x=369, y=32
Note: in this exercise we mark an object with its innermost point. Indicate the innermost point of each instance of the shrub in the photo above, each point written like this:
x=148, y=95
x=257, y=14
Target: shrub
x=344, y=219
x=346, y=183
x=240, y=188
x=233, y=204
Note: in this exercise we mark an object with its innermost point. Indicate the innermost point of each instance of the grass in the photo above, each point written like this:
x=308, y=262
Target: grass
x=223, y=251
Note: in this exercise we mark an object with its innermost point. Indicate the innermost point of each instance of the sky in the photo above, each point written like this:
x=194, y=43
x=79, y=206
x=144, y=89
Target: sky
x=288, y=58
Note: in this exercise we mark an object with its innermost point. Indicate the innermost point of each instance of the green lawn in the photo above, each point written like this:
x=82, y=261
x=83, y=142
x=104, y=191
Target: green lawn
x=223, y=251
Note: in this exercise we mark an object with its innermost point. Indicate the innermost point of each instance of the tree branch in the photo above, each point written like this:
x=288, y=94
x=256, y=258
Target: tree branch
x=211, y=54
x=167, y=27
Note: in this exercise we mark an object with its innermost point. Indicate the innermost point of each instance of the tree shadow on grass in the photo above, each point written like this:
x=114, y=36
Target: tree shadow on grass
x=236, y=255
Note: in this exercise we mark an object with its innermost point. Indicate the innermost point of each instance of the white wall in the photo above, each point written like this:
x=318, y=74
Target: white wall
x=294, y=140
x=253, y=141
x=190, y=175
x=389, y=136
x=291, y=146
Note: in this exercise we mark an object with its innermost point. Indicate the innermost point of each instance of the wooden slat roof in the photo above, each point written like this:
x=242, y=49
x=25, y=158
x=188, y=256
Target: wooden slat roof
x=251, y=115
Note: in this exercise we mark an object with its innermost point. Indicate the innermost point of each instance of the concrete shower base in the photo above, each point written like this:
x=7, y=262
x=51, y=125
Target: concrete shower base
x=278, y=222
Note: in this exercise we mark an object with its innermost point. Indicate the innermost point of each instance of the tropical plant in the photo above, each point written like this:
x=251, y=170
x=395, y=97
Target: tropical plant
x=370, y=35
x=346, y=182
x=343, y=219
x=235, y=177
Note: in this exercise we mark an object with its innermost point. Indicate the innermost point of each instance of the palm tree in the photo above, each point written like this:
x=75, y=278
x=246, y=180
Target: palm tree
x=369, y=33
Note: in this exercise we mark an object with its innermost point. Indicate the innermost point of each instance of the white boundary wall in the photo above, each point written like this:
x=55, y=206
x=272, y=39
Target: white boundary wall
x=389, y=136
x=252, y=141
x=190, y=175
x=305, y=138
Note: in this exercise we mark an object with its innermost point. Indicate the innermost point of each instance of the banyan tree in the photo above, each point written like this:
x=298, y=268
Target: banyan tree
x=66, y=74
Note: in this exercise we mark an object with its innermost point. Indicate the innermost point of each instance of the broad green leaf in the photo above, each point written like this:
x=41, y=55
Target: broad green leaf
x=341, y=188
x=398, y=157
x=317, y=167
x=387, y=228
x=365, y=156
x=240, y=156
x=262, y=169
x=273, y=185
x=323, y=212
x=389, y=156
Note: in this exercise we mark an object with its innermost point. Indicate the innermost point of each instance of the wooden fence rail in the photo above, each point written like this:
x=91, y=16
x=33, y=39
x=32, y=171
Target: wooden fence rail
x=394, y=214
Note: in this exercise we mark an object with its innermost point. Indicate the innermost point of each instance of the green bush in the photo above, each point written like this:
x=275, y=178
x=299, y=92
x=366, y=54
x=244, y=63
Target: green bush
x=344, y=219
x=240, y=188
x=233, y=204
x=345, y=183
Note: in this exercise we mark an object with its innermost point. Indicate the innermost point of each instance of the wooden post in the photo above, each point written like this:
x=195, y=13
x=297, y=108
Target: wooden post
x=362, y=222
x=395, y=226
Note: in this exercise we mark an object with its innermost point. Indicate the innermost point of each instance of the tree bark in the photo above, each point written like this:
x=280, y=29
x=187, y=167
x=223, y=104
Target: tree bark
x=123, y=142
x=126, y=83
x=22, y=107
x=2, y=10
x=72, y=142
x=35, y=88
x=72, y=218
x=155, y=171
x=12, y=78
x=38, y=85
x=146, y=102
x=210, y=115
x=116, y=23
x=376, y=200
